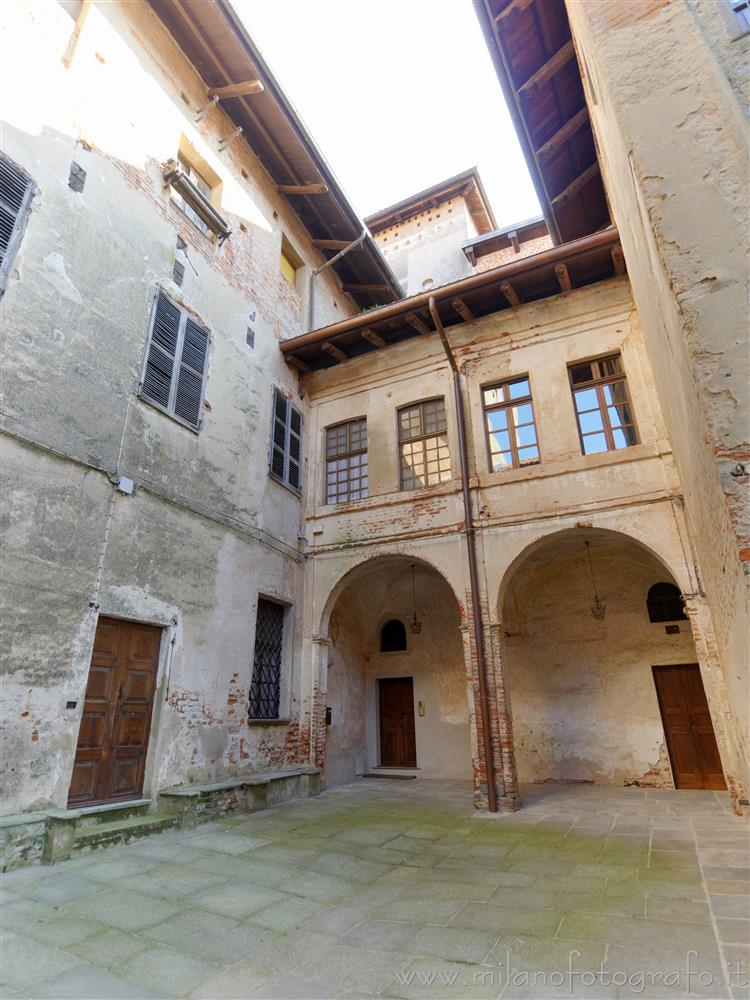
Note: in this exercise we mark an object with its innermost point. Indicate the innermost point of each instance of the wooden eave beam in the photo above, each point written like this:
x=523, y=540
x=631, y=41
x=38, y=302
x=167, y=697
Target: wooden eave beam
x=563, y=277
x=373, y=338
x=459, y=306
x=510, y=293
x=335, y=352
x=317, y=188
x=547, y=70
x=360, y=289
x=335, y=244
x=301, y=366
x=618, y=260
x=237, y=90
x=513, y=237
x=575, y=186
x=513, y=8
x=566, y=130
x=418, y=324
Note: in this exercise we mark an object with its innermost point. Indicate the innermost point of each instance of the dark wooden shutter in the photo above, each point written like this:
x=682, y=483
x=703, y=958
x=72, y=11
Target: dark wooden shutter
x=162, y=348
x=16, y=189
x=286, y=442
x=278, y=435
x=294, y=476
x=189, y=395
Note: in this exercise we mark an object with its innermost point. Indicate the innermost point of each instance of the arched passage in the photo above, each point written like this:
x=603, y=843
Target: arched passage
x=397, y=709
x=580, y=652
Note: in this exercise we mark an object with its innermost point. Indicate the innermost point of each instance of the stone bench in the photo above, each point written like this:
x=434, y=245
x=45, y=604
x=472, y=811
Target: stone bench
x=246, y=793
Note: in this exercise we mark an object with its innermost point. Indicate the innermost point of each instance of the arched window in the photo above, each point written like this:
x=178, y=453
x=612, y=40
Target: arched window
x=664, y=603
x=392, y=637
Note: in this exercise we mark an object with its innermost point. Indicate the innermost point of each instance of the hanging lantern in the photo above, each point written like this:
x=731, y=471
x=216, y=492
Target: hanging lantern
x=598, y=608
x=415, y=626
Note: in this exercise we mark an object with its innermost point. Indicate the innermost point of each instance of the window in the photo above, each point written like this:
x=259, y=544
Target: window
x=286, y=442
x=265, y=687
x=664, y=603
x=509, y=422
x=16, y=192
x=202, y=185
x=346, y=461
x=423, y=444
x=393, y=637
x=291, y=262
x=176, y=360
x=603, y=408
x=741, y=11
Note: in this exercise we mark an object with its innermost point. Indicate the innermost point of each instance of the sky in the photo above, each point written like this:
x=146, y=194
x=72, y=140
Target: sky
x=397, y=94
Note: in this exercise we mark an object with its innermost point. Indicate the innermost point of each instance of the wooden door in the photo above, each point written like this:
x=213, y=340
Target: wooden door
x=398, y=747
x=113, y=738
x=687, y=724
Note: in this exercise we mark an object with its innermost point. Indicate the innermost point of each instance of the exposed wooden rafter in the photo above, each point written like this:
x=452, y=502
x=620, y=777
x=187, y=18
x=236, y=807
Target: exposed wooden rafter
x=373, y=338
x=547, y=70
x=334, y=244
x=618, y=260
x=237, y=89
x=355, y=289
x=317, y=188
x=459, y=306
x=514, y=7
x=418, y=324
x=510, y=293
x=558, y=140
x=575, y=185
x=335, y=352
x=563, y=277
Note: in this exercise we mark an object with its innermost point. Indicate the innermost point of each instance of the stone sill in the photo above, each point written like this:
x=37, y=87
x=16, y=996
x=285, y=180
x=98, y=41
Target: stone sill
x=268, y=722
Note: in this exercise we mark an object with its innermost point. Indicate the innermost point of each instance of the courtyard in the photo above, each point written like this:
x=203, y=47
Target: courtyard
x=399, y=889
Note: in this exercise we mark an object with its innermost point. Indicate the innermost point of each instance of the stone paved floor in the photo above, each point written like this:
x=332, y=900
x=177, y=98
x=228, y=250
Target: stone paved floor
x=398, y=889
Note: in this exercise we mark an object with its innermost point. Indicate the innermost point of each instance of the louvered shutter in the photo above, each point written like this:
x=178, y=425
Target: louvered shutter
x=189, y=393
x=16, y=189
x=278, y=435
x=294, y=477
x=160, y=359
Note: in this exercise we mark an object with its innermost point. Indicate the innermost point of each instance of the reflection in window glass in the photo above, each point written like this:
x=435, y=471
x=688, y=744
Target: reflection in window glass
x=602, y=403
x=509, y=424
x=423, y=445
x=346, y=461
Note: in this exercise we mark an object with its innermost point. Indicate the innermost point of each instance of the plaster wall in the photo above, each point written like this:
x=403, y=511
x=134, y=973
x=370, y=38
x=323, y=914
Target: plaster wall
x=582, y=691
x=206, y=530
x=664, y=86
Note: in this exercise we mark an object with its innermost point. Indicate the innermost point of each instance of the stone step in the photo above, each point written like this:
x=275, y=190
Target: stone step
x=112, y=812
x=120, y=831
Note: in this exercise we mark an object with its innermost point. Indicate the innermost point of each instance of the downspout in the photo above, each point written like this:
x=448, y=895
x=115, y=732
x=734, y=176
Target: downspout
x=471, y=547
x=313, y=275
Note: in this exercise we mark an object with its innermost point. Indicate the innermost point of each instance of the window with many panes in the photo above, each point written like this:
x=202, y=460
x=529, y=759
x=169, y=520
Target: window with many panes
x=423, y=444
x=346, y=461
x=603, y=408
x=509, y=423
x=174, y=368
x=286, y=442
x=16, y=192
x=265, y=686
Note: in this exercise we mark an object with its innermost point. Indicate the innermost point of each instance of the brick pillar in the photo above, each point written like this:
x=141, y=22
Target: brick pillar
x=505, y=754
x=317, y=726
x=717, y=695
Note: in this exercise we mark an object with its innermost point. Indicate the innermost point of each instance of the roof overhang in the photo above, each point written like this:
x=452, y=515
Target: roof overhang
x=581, y=262
x=467, y=185
x=501, y=239
x=534, y=56
x=216, y=42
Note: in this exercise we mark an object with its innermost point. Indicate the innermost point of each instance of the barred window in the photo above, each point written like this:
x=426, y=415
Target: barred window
x=174, y=369
x=286, y=442
x=265, y=687
x=423, y=444
x=346, y=461
x=603, y=408
x=509, y=424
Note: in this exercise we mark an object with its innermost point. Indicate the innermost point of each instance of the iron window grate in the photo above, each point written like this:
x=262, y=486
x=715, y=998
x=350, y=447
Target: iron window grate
x=265, y=687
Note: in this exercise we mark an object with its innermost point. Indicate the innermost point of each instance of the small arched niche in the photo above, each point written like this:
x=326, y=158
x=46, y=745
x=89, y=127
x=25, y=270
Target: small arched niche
x=664, y=603
x=393, y=637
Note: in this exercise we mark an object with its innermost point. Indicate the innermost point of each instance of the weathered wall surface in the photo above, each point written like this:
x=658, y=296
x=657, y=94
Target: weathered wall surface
x=500, y=257
x=346, y=691
x=206, y=530
x=664, y=88
x=424, y=251
x=582, y=690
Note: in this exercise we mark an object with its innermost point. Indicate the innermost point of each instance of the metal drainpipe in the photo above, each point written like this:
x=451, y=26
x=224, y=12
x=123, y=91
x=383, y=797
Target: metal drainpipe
x=313, y=275
x=472, y=551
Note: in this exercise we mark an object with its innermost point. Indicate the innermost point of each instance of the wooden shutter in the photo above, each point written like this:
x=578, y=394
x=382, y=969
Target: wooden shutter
x=189, y=392
x=294, y=476
x=162, y=349
x=278, y=435
x=16, y=190
x=286, y=442
x=176, y=361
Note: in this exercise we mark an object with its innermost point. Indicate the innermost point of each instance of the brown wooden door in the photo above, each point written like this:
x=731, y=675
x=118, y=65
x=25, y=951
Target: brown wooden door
x=398, y=747
x=113, y=738
x=687, y=724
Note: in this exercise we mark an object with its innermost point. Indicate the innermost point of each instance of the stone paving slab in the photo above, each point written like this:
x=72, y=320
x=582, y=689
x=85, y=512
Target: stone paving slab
x=376, y=890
